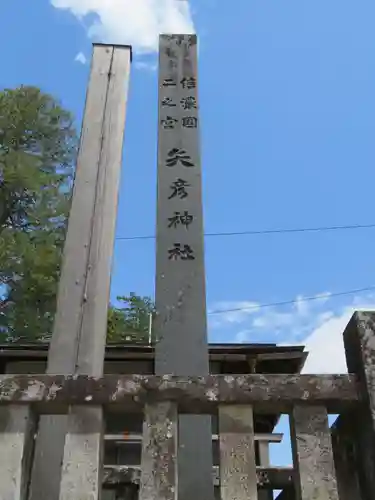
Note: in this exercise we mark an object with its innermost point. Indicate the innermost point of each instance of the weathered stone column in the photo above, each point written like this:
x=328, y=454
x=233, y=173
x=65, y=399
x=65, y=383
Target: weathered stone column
x=359, y=340
x=159, y=452
x=238, y=476
x=17, y=427
x=180, y=325
x=315, y=477
x=345, y=456
x=264, y=461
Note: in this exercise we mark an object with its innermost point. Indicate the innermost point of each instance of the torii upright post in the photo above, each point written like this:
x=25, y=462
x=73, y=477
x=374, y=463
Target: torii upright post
x=180, y=325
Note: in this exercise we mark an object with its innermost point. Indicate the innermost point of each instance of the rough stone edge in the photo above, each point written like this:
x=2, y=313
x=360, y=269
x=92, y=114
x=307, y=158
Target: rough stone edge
x=204, y=394
x=267, y=477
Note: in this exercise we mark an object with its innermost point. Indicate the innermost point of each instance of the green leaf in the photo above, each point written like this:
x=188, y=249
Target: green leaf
x=37, y=153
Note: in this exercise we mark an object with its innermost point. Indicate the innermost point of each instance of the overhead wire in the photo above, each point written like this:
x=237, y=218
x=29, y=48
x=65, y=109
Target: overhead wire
x=266, y=231
x=279, y=231
x=294, y=301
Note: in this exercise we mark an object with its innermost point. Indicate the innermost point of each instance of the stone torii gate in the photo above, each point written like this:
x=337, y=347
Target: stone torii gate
x=180, y=399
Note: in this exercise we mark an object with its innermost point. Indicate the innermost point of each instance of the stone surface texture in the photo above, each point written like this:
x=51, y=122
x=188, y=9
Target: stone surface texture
x=238, y=478
x=180, y=324
x=315, y=477
x=159, y=453
x=359, y=342
x=345, y=453
x=268, y=478
x=193, y=394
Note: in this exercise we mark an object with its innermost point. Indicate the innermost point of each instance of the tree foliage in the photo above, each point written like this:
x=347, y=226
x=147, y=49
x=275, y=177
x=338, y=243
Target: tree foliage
x=37, y=154
x=130, y=321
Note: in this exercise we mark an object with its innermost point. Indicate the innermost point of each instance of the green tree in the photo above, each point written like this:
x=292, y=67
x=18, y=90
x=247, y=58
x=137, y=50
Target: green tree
x=37, y=153
x=129, y=322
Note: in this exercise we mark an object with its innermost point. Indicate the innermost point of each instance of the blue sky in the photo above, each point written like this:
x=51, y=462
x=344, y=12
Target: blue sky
x=288, y=113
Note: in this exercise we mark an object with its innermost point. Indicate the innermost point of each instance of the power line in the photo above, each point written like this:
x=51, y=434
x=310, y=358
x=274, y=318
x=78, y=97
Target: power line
x=267, y=231
x=295, y=301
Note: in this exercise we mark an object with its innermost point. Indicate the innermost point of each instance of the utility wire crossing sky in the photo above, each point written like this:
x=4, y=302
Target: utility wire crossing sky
x=267, y=231
x=294, y=301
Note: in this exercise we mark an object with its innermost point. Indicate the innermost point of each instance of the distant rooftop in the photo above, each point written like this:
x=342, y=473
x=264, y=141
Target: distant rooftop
x=268, y=358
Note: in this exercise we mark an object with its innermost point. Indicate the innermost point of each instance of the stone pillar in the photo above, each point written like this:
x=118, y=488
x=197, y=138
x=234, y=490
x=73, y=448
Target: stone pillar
x=238, y=476
x=359, y=341
x=315, y=477
x=344, y=453
x=264, y=461
x=159, y=450
x=17, y=427
x=180, y=324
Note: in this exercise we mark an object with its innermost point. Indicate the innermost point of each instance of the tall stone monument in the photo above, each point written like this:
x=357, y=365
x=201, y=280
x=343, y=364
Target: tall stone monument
x=180, y=325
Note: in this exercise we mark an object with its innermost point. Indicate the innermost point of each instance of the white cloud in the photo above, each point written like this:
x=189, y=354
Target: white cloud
x=326, y=348
x=303, y=306
x=236, y=312
x=133, y=22
x=146, y=66
x=81, y=58
x=317, y=324
x=274, y=320
x=242, y=337
x=265, y=323
x=325, y=343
